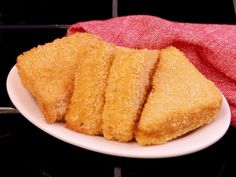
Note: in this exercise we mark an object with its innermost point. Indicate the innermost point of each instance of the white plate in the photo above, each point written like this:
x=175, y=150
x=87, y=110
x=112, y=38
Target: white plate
x=193, y=142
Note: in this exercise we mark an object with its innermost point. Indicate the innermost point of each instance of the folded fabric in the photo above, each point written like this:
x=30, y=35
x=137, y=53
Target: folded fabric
x=210, y=47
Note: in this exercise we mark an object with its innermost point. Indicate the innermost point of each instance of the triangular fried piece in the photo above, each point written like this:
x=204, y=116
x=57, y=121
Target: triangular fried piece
x=85, y=110
x=126, y=92
x=181, y=100
x=48, y=72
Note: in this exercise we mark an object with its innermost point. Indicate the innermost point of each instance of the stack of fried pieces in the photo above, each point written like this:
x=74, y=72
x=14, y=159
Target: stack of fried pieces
x=123, y=94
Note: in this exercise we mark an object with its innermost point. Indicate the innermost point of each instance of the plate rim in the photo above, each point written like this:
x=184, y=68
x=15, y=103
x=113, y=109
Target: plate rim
x=49, y=129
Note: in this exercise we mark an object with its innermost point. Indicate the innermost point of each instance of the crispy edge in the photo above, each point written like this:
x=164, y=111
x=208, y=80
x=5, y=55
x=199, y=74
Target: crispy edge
x=177, y=125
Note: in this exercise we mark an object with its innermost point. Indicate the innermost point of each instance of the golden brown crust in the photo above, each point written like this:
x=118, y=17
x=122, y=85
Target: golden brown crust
x=128, y=86
x=47, y=71
x=181, y=100
x=107, y=96
x=85, y=110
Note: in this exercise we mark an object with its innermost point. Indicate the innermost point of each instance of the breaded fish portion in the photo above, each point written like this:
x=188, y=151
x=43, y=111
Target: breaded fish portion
x=47, y=71
x=85, y=110
x=181, y=100
x=126, y=92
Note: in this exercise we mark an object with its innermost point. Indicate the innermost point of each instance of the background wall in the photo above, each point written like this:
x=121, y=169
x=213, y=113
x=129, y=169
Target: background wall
x=71, y=11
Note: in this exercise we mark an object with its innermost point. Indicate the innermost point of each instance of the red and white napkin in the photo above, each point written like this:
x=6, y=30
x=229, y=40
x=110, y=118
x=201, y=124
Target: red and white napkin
x=210, y=47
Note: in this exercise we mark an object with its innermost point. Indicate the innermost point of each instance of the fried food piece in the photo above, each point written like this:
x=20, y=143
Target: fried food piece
x=47, y=71
x=181, y=100
x=126, y=92
x=85, y=110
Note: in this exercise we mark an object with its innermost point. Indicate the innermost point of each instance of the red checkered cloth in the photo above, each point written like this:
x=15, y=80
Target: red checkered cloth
x=210, y=47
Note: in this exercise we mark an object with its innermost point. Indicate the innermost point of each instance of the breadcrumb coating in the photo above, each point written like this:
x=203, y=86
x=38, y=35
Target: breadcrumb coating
x=126, y=92
x=47, y=71
x=123, y=94
x=181, y=100
x=85, y=110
